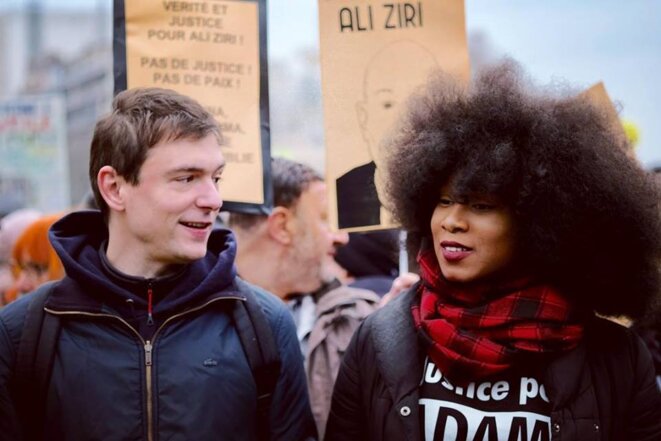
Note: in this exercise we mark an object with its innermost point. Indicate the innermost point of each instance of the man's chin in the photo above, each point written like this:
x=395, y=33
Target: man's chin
x=189, y=256
x=309, y=288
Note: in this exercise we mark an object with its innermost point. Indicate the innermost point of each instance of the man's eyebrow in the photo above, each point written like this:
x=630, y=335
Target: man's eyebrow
x=195, y=169
x=186, y=169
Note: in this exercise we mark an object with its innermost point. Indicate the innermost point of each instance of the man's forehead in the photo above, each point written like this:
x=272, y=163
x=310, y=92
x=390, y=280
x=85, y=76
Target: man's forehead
x=180, y=153
x=314, y=196
x=404, y=64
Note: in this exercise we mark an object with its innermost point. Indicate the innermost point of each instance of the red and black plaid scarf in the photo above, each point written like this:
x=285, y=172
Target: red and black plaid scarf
x=477, y=332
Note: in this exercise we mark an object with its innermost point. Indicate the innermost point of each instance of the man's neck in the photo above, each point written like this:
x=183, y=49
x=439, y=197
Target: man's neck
x=262, y=263
x=132, y=264
x=130, y=258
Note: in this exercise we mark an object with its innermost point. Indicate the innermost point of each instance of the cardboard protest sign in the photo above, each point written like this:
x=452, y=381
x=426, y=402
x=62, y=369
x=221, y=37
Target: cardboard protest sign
x=374, y=54
x=34, y=162
x=598, y=96
x=215, y=52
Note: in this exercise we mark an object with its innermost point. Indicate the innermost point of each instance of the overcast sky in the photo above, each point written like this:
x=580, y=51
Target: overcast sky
x=582, y=42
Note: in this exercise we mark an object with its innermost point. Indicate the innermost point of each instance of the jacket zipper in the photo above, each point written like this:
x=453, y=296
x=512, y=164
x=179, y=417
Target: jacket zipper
x=150, y=303
x=148, y=348
x=150, y=408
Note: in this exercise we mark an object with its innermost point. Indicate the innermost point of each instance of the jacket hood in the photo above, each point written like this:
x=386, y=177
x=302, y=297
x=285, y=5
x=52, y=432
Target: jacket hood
x=80, y=239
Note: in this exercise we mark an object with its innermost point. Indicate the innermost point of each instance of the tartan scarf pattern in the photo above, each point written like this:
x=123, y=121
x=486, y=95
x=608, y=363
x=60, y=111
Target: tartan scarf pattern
x=474, y=333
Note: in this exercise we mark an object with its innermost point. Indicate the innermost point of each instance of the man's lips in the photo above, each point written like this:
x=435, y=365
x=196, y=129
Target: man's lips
x=196, y=225
x=454, y=251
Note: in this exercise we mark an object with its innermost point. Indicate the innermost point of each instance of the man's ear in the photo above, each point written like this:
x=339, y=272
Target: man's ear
x=110, y=186
x=361, y=114
x=279, y=225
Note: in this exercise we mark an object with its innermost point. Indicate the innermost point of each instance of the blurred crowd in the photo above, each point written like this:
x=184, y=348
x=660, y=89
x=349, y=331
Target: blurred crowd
x=523, y=294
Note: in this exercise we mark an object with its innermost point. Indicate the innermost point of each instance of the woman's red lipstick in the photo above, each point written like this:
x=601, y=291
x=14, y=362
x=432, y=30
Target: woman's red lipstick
x=454, y=251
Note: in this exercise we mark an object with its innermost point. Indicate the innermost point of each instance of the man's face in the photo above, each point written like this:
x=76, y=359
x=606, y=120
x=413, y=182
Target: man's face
x=169, y=214
x=314, y=243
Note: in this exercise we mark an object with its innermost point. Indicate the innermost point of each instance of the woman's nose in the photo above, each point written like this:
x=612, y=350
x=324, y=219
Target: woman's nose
x=455, y=221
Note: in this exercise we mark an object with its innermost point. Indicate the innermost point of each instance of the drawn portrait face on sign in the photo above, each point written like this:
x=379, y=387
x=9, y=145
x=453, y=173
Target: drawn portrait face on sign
x=374, y=55
x=390, y=77
x=384, y=93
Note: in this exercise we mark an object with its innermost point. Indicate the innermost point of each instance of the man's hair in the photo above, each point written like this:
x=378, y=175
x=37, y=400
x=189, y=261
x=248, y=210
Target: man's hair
x=290, y=179
x=140, y=119
x=586, y=215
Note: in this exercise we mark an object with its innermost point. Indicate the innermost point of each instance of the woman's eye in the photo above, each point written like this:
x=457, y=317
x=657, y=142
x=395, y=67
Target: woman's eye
x=444, y=202
x=482, y=207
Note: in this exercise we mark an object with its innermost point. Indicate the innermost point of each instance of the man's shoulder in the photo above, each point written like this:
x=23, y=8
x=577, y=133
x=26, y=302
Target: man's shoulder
x=12, y=317
x=345, y=296
x=274, y=308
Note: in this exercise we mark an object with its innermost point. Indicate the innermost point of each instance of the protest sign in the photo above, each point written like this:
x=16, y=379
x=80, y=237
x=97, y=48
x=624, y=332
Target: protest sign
x=33, y=155
x=215, y=52
x=598, y=96
x=374, y=54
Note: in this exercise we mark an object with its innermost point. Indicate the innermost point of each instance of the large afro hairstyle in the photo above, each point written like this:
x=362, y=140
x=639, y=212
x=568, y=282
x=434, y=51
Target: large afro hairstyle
x=586, y=214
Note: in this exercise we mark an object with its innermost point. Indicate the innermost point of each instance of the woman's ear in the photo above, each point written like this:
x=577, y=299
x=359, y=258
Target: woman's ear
x=279, y=225
x=110, y=185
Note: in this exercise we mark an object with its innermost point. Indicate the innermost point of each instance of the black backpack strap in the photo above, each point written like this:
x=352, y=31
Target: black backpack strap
x=262, y=354
x=34, y=363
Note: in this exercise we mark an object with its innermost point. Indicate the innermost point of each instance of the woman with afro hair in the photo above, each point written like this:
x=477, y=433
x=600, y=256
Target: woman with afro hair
x=530, y=222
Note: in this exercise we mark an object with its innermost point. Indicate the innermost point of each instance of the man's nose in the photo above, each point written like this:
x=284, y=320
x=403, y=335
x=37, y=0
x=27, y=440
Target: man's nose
x=209, y=196
x=340, y=238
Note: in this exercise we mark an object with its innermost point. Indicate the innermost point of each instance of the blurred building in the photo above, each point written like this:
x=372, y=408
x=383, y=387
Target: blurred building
x=295, y=108
x=67, y=52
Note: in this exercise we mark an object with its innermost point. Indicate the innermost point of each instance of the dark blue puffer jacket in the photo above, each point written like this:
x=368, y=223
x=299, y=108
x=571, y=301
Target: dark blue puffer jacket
x=189, y=381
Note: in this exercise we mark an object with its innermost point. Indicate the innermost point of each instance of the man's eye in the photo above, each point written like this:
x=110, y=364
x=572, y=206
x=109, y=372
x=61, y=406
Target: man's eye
x=188, y=178
x=217, y=179
x=444, y=202
x=388, y=104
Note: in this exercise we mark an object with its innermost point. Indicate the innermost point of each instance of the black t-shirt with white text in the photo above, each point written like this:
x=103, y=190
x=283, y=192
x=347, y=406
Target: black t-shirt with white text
x=512, y=406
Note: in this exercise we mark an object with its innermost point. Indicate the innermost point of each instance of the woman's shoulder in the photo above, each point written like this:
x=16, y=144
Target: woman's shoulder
x=607, y=333
x=612, y=343
x=390, y=329
x=396, y=312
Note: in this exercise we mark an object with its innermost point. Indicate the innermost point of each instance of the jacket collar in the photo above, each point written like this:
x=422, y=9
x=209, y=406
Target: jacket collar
x=394, y=338
x=94, y=286
x=567, y=376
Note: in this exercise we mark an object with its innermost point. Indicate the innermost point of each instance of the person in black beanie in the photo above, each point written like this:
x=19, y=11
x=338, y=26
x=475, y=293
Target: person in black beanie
x=370, y=260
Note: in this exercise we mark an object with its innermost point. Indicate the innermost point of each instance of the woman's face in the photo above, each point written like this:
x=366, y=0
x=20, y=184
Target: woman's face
x=29, y=275
x=473, y=239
